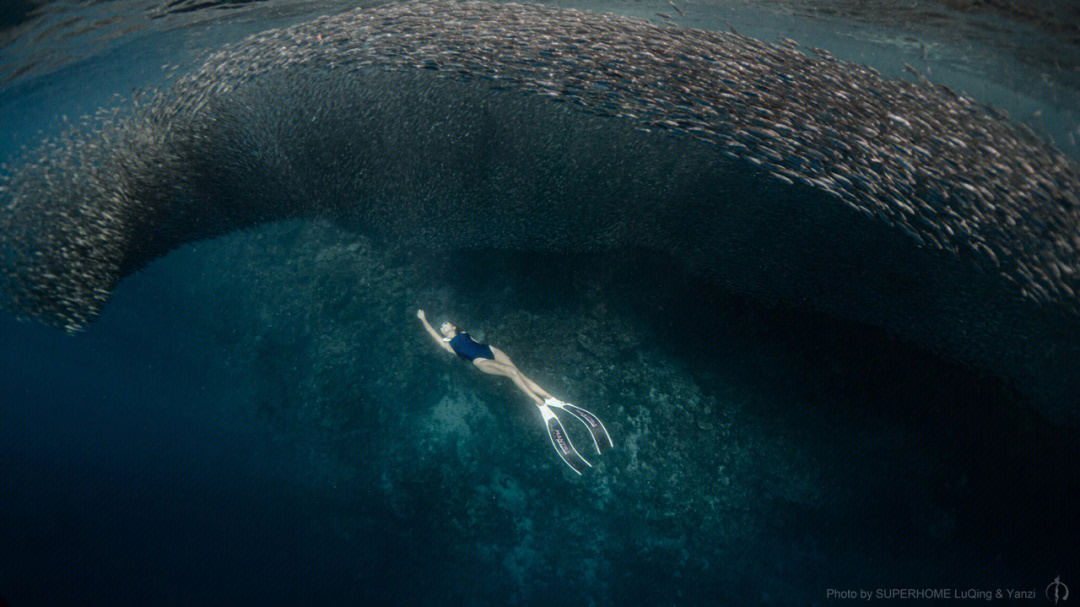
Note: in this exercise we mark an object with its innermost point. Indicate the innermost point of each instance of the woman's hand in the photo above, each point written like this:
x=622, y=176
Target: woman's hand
x=438, y=338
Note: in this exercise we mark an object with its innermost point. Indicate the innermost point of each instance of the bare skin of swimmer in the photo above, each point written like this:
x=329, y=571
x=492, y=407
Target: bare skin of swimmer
x=502, y=365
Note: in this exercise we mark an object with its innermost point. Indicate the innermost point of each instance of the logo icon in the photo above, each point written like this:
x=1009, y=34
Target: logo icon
x=1057, y=591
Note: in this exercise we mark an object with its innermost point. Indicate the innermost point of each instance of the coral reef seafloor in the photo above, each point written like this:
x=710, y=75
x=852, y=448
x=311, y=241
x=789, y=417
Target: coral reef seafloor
x=760, y=453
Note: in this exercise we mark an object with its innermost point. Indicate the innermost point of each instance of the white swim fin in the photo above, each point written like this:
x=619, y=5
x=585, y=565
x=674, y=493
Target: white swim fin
x=600, y=436
x=561, y=441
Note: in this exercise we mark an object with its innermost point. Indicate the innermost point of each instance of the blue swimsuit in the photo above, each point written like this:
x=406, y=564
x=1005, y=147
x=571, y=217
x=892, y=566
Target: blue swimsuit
x=470, y=349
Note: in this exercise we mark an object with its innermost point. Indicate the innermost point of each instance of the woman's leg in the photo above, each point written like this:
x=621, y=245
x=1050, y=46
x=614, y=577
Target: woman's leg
x=501, y=357
x=499, y=368
x=536, y=388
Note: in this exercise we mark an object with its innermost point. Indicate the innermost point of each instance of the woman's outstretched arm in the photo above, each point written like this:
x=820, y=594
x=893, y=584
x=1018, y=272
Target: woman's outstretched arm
x=438, y=338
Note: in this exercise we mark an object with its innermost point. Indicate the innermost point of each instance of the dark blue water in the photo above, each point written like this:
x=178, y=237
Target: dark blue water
x=260, y=419
x=217, y=439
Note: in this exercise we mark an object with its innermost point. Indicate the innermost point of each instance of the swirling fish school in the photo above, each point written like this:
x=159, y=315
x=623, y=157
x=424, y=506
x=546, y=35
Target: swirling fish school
x=922, y=159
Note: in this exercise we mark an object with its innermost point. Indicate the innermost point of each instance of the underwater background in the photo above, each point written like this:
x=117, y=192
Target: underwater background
x=259, y=417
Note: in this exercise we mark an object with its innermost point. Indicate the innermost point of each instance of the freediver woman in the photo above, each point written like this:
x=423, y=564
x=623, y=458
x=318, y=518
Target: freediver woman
x=494, y=361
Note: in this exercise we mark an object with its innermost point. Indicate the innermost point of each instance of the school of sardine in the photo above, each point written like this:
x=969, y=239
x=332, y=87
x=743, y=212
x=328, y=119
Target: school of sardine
x=951, y=174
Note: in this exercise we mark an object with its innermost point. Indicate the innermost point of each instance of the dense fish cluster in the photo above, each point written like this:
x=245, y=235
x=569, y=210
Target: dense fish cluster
x=99, y=202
